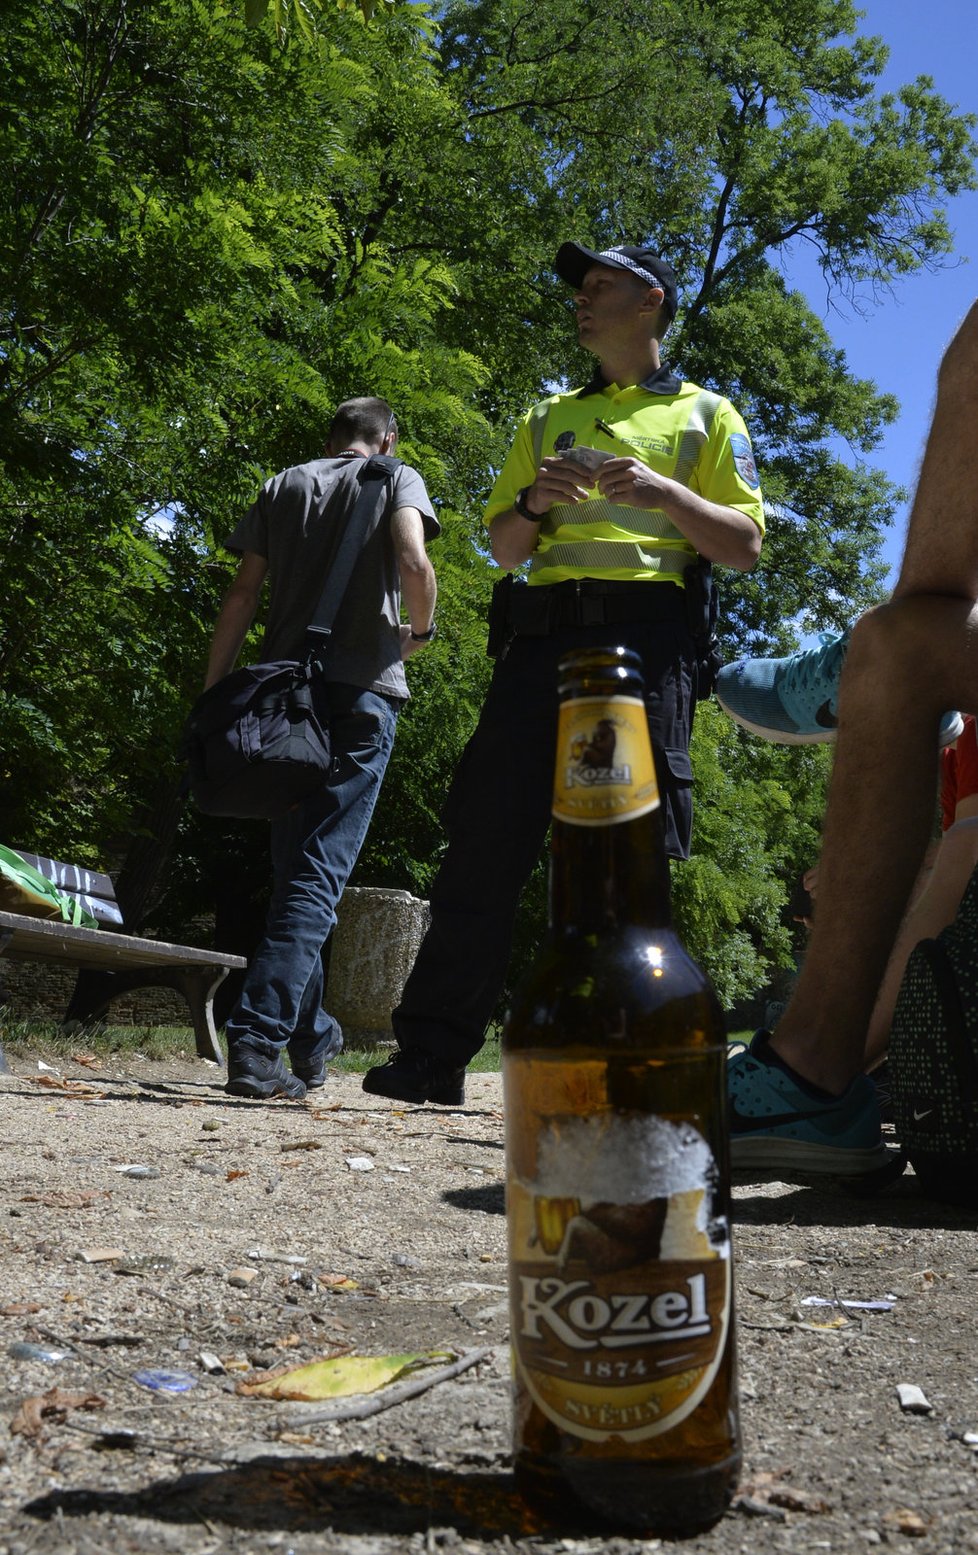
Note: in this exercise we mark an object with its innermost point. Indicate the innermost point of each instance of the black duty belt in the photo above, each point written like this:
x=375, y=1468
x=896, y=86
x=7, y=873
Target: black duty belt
x=591, y=602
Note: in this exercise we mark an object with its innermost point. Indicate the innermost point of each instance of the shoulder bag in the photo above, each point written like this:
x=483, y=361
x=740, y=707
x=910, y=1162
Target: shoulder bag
x=253, y=743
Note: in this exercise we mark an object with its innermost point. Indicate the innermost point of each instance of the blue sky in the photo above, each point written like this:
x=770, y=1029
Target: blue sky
x=898, y=341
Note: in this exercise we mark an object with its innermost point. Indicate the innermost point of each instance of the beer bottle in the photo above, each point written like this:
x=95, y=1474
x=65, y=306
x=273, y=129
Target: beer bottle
x=621, y=1290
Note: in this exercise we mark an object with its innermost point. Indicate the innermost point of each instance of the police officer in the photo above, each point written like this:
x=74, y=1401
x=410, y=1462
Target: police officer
x=616, y=494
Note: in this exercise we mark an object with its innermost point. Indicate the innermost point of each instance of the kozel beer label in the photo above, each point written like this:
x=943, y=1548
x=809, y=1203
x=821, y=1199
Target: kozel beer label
x=621, y=1280
x=604, y=763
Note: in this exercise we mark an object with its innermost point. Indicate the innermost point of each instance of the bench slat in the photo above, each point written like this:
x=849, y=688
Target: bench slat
x=93, y=890
x=45, y=938
x=71, y=877
x=110, y=963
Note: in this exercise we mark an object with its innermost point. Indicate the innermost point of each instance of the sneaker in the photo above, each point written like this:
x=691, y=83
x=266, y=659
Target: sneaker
x=411, y=1075
x=779, y=1122
x=882, y=1081
x=311, y=1067
x=952, y=724
x=794, y=701
x=313, y=1076
x=260, y=1076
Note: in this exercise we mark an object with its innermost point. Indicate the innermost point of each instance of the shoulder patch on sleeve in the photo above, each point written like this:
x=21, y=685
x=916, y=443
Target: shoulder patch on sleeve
x=743, y=458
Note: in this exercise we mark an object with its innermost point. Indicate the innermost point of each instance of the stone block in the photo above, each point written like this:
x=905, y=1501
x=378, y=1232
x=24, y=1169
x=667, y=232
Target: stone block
x=374, y=944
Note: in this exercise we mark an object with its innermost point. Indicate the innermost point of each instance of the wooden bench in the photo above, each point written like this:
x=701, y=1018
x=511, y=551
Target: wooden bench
x=111, y=962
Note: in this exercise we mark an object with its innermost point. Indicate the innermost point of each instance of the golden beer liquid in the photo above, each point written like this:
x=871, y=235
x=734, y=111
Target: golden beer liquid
x=621, y=1290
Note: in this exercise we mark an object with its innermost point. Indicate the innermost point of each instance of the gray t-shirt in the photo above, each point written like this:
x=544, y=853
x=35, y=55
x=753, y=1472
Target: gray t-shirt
x=297, y=524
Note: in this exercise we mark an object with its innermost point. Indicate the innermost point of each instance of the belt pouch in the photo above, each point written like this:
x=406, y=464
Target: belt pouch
x=530, y=611
x=498, y=618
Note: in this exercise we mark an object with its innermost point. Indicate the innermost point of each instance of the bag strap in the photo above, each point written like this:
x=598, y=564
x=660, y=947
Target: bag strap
x=376, y=476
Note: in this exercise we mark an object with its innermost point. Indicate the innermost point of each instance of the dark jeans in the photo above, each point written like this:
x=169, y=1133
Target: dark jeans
x=497, y=815
x=314, y=848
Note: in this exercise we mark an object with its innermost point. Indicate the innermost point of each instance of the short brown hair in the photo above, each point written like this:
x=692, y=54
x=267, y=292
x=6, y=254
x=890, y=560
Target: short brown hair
x=366, y=420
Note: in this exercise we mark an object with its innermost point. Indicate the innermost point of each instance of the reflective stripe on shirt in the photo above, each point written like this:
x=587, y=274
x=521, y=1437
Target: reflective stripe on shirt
x=681, y=431
x=603, y=556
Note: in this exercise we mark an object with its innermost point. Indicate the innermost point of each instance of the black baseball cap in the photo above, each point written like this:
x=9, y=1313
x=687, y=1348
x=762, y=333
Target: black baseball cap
x=573, y=262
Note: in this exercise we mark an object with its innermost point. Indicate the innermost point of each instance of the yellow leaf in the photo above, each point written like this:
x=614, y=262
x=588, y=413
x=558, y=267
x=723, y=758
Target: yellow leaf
x=338, y=1281
x=340, y=1377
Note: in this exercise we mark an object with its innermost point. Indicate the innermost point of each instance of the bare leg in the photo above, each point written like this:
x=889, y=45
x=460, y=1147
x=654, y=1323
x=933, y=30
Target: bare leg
x=941, y=551
x=908, y=662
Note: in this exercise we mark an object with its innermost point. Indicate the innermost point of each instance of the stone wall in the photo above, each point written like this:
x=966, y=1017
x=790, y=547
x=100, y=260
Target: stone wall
x=39, y=990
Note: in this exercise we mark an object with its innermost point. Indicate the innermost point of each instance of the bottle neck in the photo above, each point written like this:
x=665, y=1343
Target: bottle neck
x=604, y=878
x=608, y=856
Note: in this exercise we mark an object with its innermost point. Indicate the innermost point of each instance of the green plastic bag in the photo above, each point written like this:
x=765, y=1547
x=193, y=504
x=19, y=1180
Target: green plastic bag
x=25, y=890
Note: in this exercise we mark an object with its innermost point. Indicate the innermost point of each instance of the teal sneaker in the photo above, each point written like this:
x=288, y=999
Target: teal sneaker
x=794, y=701
x=779, y=1123
x=789, y=701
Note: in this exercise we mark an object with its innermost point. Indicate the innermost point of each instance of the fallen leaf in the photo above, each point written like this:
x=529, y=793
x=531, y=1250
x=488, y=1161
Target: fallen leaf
x=237, y=1172
x=67, y=1087
x=337, y=1281
x=339, y=1377
x=19, y=1309
x=56, y=1405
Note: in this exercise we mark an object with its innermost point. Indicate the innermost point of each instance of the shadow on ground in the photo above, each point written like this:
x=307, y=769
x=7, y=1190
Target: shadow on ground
x=903, y=1206
x=349, y=1495
x=490, y=1200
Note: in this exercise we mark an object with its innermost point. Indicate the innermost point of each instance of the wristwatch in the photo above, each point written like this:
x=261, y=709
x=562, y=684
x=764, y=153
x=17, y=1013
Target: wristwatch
x=425, y=637
x=523, y=510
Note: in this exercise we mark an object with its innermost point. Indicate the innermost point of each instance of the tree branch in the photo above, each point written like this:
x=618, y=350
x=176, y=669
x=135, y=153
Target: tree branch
x=365, y=1405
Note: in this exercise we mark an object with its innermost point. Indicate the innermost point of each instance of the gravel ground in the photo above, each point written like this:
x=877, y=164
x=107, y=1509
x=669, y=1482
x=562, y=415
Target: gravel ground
x=252, y=1239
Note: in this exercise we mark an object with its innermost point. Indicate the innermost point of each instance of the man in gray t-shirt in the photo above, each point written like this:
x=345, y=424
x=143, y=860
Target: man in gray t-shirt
x=291, y=534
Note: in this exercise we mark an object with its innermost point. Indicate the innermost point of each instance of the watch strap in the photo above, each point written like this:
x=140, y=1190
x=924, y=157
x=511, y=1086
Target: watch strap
x=523, y=510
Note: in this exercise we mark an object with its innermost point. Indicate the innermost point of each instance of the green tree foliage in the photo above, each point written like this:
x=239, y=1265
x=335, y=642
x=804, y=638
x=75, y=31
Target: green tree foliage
x=213, y=231
x=192, y=285
x=756, y=826
x=301, y=13
x=448, y=683
x=727, y=135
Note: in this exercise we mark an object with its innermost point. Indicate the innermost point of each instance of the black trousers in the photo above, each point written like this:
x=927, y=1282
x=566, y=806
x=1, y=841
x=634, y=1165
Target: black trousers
x=497, y=815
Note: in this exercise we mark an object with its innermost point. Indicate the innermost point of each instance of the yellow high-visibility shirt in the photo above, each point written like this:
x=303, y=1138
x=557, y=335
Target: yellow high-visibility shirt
x=678, y=429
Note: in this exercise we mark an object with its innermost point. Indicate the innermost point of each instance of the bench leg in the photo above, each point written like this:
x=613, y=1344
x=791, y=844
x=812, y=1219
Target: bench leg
x=94, y=992
x=198, y=986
